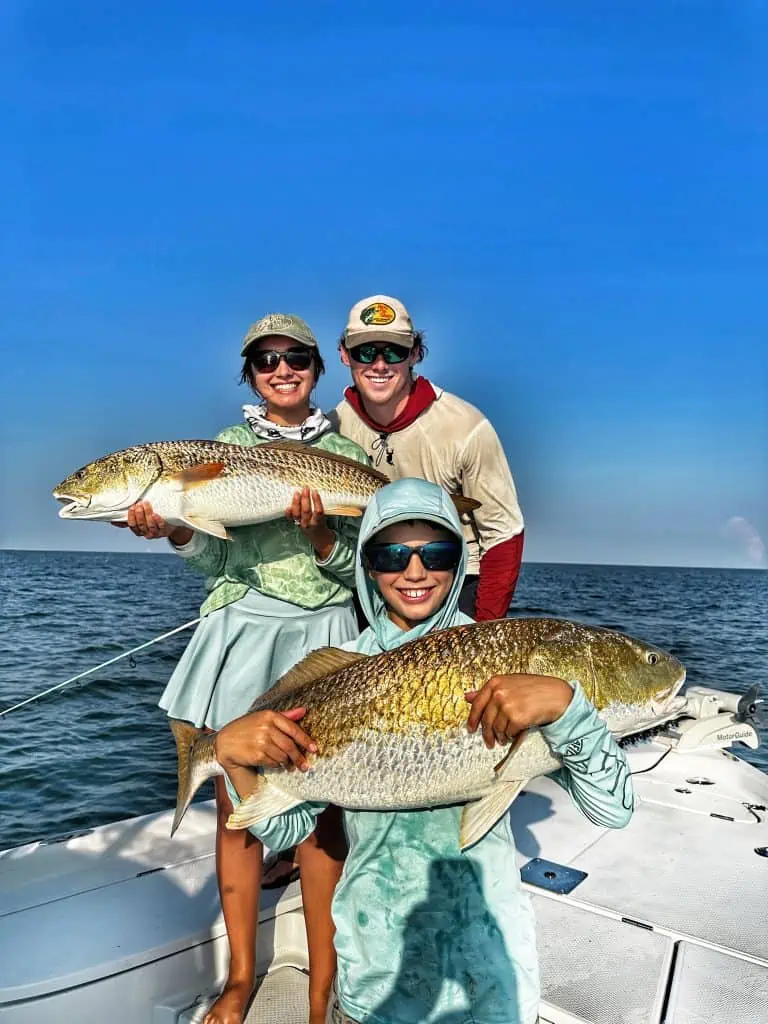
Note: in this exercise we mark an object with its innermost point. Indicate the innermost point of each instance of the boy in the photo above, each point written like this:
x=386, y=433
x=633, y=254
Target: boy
x=424, y=930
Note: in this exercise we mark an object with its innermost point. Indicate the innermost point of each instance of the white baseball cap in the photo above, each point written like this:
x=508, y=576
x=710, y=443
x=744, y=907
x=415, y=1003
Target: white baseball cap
x=379, y=318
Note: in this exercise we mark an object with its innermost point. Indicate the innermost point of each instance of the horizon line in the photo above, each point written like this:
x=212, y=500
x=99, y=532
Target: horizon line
x=529, y=561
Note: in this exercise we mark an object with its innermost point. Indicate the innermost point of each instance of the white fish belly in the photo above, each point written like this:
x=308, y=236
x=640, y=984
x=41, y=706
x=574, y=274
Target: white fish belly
x=388, y=772
x=398, y=772
x=236, y=500
x=242, y=500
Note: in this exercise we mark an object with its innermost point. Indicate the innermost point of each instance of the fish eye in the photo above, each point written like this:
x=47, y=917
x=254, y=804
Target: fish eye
x=651, y=658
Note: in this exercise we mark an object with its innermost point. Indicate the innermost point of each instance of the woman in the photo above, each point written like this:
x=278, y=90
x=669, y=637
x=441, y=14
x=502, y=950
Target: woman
x=277, y=590
x=425, y=931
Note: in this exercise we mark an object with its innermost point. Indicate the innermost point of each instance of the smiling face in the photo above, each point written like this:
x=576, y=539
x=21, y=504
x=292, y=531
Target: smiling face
x=415, y=593
x=285, y=390
x=381, y=384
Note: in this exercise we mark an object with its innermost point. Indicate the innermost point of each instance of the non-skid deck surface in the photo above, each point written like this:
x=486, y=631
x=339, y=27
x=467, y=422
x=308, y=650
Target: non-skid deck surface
x=281, y=999
x=604, y=971
x=686, y=864
x=711, y=988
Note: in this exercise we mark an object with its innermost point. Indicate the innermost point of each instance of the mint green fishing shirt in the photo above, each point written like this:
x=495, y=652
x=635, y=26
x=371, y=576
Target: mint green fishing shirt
x=427, y=933
x=276, y=557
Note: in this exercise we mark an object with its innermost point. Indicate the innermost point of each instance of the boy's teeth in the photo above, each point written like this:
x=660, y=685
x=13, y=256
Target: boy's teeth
x=414, y=594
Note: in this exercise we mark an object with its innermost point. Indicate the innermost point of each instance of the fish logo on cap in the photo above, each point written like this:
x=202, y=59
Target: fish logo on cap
x=378, y=314
x=274, y=322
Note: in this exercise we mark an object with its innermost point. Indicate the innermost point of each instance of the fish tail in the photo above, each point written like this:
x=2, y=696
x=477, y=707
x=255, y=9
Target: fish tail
x=266, y=800
x=464, y=505
x=197, y=763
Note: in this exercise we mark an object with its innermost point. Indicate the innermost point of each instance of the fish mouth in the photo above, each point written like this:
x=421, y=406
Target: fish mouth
x=671, y=708
x=70, y=504
x=670, y=694
x=668, y=706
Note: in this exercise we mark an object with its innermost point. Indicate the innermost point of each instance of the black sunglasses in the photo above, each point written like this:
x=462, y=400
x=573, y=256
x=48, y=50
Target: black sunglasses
x=369, y=352
x=437, y=555
x=267, y=360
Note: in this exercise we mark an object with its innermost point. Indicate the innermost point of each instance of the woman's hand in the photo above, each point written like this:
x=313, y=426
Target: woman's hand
x=265, y=738
x=508, y=705
x=307, y=512
x=144, y=522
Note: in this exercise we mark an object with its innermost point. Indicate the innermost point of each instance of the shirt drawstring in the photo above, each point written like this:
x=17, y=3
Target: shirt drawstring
x=381, y=449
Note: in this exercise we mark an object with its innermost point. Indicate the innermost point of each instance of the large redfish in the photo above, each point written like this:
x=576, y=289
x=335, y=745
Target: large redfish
x=391, y=728
x=210, y=485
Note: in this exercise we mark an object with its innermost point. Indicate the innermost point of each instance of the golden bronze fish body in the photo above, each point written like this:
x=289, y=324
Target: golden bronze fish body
x=391, y=728
x=210, y=485
x=423, y=682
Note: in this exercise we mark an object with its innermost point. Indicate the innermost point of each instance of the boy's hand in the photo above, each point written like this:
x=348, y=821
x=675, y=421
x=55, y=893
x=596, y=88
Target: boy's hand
x=265, y=738
x=508, y=705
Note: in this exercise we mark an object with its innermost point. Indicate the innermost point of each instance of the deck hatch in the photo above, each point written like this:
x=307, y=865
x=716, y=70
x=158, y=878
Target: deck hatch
x=547, y=874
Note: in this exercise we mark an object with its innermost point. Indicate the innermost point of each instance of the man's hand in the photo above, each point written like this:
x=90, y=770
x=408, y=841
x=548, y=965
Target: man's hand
x=306, y=510
x=265, y=738
x=508, y=705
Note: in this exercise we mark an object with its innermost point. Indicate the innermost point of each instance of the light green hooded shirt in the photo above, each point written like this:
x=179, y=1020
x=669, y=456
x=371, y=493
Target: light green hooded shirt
x=425, y=932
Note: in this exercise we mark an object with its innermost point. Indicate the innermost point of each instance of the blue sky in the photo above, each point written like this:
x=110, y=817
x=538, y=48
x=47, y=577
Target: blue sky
x=569, y=198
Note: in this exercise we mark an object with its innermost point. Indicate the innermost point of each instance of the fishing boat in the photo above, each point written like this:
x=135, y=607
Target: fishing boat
x=663, y=922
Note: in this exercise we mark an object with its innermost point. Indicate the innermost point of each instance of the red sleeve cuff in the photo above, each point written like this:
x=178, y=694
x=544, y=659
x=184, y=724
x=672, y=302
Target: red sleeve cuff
x=499, y=571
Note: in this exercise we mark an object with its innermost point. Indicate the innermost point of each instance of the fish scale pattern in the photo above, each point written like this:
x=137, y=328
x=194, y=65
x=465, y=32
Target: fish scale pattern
x=261, y=481
x=256, y=484
x=391, y=728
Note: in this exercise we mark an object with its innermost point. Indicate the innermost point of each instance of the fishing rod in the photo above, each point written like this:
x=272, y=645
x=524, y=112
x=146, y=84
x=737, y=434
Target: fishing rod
x=104, y=664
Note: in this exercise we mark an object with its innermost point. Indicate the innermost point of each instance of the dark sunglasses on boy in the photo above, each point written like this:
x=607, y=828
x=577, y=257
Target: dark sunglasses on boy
x=370, y=351
x=437, y=555
x=267, y=360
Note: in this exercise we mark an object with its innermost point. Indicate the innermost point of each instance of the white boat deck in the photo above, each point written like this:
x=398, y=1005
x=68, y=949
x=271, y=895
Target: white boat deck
x=670, y=926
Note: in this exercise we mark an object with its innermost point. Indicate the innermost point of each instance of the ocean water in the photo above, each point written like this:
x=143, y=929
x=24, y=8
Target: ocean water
x=101, y=750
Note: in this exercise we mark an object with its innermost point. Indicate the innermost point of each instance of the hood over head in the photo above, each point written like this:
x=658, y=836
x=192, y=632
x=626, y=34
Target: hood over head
x=398, y=502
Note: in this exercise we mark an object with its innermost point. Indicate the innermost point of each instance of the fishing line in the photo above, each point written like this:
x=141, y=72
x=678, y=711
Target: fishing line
x=104, y=664
x=655, y=764
x=643, y=737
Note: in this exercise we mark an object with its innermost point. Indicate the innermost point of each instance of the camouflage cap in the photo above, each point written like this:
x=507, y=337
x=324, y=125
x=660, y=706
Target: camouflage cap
x=284, y=325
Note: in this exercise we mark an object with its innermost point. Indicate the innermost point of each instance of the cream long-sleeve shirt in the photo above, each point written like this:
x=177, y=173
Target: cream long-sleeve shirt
x=451, y=444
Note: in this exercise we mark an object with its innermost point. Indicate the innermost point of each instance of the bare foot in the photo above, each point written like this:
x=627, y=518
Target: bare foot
x=232, y=1004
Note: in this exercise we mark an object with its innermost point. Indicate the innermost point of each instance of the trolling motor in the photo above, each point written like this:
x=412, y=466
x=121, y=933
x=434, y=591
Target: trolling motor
x=714, y=719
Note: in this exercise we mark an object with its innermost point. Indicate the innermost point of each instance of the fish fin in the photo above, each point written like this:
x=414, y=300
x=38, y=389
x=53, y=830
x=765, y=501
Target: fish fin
x=464, y=505
x=342, y=460
x=503, y=767
x=196, y=764
x=209, y=526
x=194, y=476
x=314, y=666
x=479, y=817
x=344, y=510
x=266, y=801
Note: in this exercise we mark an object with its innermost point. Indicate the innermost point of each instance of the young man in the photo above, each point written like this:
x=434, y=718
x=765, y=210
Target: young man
x=412, y=428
